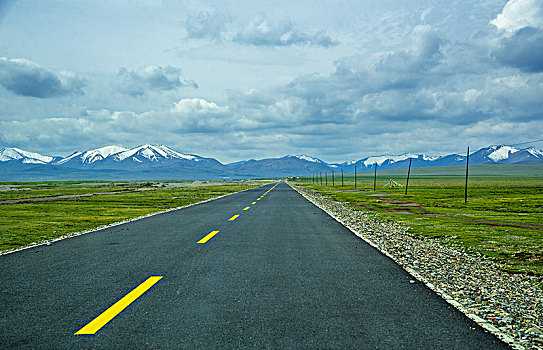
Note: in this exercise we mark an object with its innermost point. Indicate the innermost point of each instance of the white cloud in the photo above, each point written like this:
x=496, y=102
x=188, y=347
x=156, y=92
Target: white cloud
x=518, y=14
x=207, y=25
x=261, y=31
x=518, y=40
x=405, y=79
x=424, y=52
x=196, y=105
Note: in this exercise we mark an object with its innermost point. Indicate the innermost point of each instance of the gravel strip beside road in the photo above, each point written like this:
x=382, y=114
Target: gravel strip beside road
x=510, y=306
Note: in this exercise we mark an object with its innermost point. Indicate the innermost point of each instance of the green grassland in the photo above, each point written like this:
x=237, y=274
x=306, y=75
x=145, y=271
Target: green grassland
x=37, y=190
x=503, y=218
x=29, y=222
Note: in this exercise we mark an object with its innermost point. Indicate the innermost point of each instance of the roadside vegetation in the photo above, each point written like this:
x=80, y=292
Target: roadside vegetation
x=503, y=218
x=44, y=211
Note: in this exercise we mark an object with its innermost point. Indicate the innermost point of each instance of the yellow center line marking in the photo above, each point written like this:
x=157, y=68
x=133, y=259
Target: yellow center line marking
x=253, y=203
x=233, y=218
x=268, y=191
x=207, y=237
x=246, y=208
x=94, y=326
x=258, y=199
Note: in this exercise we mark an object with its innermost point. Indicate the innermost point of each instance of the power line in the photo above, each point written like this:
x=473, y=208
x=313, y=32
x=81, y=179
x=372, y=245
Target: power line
x=524, y=143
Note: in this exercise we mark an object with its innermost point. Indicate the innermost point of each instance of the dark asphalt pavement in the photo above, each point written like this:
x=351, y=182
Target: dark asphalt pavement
x=283, y=275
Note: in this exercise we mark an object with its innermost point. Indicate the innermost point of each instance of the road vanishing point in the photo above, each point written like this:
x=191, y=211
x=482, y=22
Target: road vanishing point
x=259, y=269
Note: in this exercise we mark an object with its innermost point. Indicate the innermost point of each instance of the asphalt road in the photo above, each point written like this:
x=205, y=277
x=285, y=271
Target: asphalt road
x=281, y=275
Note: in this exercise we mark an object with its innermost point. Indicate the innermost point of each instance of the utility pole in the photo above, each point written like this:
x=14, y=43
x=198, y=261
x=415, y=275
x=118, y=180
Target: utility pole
x=326, y=177
x=355, y=176
x=408, y=172
x=374, y=176
x=341, y=177
x=467, y=167
x=333, y=183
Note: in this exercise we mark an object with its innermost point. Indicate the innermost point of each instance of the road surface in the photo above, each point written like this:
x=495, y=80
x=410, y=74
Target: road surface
x=281, y=274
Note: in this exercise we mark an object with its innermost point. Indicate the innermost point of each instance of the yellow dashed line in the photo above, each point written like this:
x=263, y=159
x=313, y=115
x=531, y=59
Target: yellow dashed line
x=233, y=218
x=208, y=237
x=246, y=208
x=265, y=193
x=94, y=326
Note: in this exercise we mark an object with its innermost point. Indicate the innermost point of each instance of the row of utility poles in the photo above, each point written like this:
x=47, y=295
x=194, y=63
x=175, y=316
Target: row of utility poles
x=317, y=178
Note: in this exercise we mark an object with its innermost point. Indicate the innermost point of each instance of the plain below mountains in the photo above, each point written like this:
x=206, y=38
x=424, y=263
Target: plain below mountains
x=159, y=162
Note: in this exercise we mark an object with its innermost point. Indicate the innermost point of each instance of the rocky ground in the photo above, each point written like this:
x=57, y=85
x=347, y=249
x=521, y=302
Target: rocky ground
x=508, y=305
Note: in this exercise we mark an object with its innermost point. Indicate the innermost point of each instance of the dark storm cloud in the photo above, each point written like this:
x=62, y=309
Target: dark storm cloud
x=26, y=78
x=524, y=50
x=152, y=78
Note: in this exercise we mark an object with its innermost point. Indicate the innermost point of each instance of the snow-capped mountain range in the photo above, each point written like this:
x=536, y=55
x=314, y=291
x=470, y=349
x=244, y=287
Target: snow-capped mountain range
x=141, y=154
x=162, y=162
x=15, y=154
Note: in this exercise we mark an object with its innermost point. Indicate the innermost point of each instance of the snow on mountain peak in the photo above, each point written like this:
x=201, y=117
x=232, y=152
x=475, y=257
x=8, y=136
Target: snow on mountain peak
x=430, y=158
x=501, y=152
x=392, y=159
x=152, y=153
x=167, y=152
x=535, y=152
x=100, y=153
x=308, y=158
x=7, y=154
x=71, y=156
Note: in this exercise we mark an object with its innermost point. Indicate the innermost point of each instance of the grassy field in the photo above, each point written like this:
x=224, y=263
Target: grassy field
x=502, y=219
x=32, y=221
x=38, y=190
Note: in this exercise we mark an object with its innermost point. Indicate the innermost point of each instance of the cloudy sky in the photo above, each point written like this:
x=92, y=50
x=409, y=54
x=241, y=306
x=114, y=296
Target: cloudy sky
x=236, y=79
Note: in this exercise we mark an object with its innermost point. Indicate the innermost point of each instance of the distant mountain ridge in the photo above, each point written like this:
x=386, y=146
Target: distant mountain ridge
x=16, y=154
x=162, y=162
x=110, y=155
